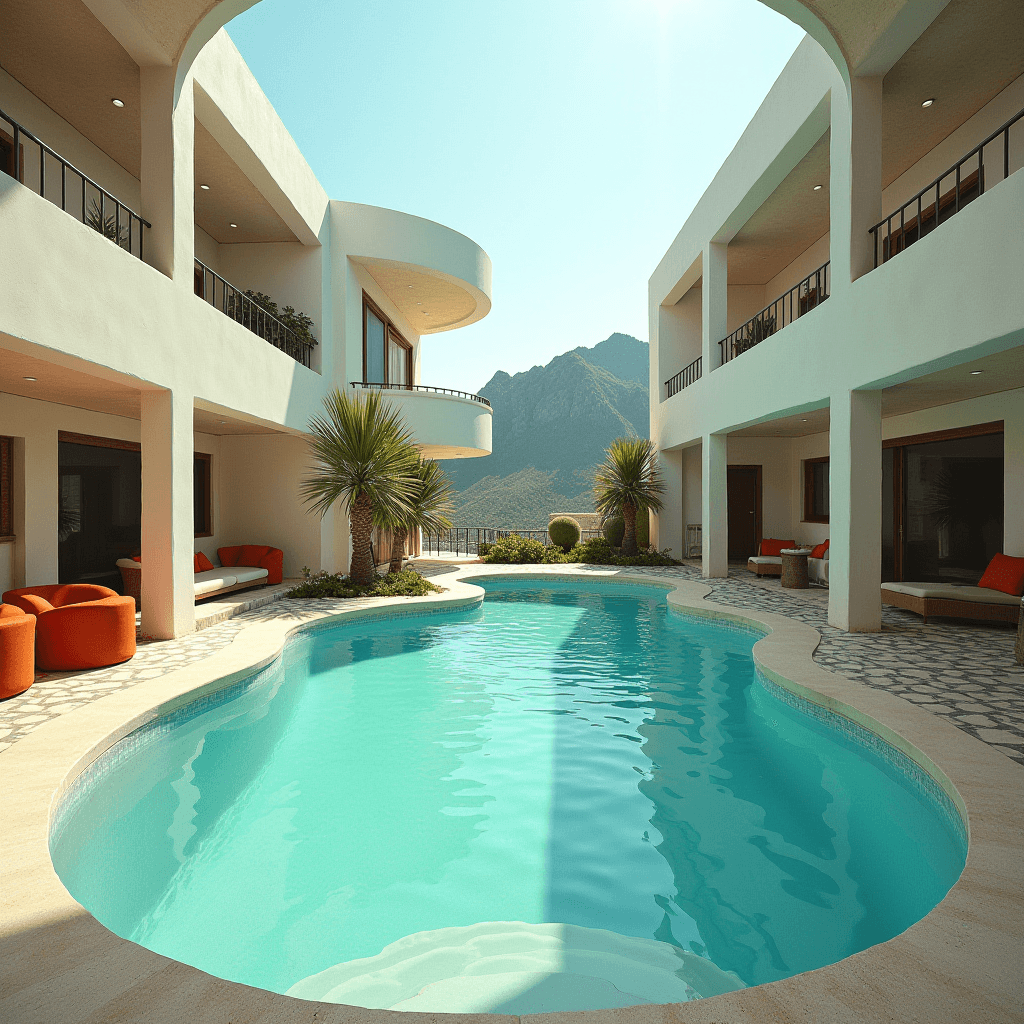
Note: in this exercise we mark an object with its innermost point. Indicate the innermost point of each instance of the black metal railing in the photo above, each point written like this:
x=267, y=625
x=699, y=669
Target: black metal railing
x=233, y=302
x=683, y=379
x=964, y=182
x=802, y=298
x=467, y=539
x=422, y=387
x=80, y=196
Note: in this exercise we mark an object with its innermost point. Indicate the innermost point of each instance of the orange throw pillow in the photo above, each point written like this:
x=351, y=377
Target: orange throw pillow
x=203, y=564
x=1006, y=574
x=772, y=547
x=252, y=555
x=819, y=550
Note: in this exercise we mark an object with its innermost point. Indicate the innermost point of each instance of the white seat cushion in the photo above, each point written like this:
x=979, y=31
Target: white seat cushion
x=952, y=592
x=248, y=573
x=817, y=570
x=128, y=563
x=214, y=579
x=765, y=559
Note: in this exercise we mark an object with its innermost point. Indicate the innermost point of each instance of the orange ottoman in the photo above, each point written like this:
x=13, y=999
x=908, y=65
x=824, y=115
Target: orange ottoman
x=17, y=650
x=78, y=625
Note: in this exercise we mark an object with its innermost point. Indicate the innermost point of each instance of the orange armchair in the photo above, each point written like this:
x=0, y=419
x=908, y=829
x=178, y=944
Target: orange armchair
x=17, y=650
x=256, y=556
x=78, y=625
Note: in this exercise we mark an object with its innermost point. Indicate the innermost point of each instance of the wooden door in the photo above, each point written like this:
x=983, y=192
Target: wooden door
x=744, y=500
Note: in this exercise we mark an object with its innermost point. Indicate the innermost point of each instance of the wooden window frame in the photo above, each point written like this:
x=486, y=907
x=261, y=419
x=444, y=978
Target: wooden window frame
x=974, y=430
x=207, y=460
x=390, y=331
x=134, y=446
x=6, y=490
x=809, y=516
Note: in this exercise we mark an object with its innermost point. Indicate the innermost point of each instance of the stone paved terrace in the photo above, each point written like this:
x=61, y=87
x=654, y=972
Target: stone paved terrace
x=966, y=673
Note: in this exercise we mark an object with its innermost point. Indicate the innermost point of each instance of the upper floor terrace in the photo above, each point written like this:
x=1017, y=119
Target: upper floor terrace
x=832, y=179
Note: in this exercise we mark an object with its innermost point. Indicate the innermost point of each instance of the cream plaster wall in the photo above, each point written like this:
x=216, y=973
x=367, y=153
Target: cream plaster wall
x=774, y=457
x=679, y=338
x=806, y=263
x=745, y=301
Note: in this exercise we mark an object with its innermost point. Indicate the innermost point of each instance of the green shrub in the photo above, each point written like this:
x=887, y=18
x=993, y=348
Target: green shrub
x=615, y=528
x=554, y=555
x=564, y=531
x=598, y=551
x=515, y=550
x=406, y=583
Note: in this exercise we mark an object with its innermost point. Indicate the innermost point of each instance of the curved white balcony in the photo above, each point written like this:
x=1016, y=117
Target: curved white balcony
x=446, y=424
x=437, y=278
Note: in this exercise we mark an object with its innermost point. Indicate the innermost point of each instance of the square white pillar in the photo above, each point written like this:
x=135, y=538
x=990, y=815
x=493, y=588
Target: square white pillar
x=856, y=177
x=714, y=500
x=667, y=525
x=168, y=173
x=714, y=303
x=855, y=511
x=36, y=505
x=168, y=527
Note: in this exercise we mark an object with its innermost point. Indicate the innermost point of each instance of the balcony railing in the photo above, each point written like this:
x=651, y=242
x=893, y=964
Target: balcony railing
x=802, y=298
x=467, y=539
x=684, y=378
x=80, y=196
x=963, y=183
x=233, y=302
x=422, y=387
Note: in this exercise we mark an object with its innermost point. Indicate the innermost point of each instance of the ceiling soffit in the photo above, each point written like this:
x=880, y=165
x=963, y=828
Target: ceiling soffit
x=231, y=198
x=786, y=224
x=969, y=54
x=62, y=54
x=429, y=304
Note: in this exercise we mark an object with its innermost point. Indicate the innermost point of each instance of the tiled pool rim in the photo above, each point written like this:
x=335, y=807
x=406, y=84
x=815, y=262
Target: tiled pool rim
x=928, y=972
x=916, y=775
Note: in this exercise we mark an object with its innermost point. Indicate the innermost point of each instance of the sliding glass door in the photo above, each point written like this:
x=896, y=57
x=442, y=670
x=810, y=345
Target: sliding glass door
x=387, y=356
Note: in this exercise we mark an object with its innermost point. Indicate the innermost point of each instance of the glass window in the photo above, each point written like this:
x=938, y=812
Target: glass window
x=816, y=498
x=374, y=368
x=398, y=360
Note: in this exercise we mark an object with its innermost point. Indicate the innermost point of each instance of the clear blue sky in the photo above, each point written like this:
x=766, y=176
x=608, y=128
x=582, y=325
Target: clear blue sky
x=570, y=139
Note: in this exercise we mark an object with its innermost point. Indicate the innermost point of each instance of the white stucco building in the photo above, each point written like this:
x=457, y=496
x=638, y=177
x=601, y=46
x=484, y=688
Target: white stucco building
x=112, y=354
x=889, y=418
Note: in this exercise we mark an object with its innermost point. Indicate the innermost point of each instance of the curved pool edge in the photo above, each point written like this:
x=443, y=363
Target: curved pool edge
x=959, y=961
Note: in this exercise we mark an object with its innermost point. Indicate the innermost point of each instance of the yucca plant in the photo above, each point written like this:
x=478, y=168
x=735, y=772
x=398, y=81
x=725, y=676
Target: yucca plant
x=431, y=511
x=629, y=482
x=106, y=225
x=364, y=458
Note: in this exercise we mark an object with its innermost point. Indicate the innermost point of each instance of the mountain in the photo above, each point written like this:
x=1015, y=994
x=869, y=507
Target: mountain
x=551, y=427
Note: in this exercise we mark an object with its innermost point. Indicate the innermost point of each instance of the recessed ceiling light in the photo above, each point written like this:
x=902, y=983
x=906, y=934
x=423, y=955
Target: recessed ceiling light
x=117, y=102
x=223, y=421
x=410, y=286
x=30, y=378
x=205, y=188
x=974, y=373
x=803, y=421
x=234, y=225
x=419, y=303
x=928, y=102
x=817, y=188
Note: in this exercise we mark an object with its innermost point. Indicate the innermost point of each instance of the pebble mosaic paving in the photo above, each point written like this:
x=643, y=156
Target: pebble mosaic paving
x=963, y=672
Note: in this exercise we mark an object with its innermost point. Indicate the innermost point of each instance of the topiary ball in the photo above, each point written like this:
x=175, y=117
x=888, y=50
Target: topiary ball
x=564, y=532
x=614, y=528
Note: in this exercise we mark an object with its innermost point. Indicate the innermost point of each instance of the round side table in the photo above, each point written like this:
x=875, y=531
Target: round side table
x=794, y=568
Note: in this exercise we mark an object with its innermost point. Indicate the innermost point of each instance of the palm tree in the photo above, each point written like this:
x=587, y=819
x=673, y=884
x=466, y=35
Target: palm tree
x=365, y=459
x=629, y=482
x=431, y=510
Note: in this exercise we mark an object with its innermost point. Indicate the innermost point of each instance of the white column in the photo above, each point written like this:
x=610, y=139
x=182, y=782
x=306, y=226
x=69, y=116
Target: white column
x=856, y=186
x=168, y=533
x=714, y=303
x=855, y=511
x=168, y=173
x=36, y=501
x=667, y=525
x=1013, y=486
x=714, y=500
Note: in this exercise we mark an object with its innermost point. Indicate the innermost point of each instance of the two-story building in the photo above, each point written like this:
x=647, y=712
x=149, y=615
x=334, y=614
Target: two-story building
x=155, y=213
x=837, y=332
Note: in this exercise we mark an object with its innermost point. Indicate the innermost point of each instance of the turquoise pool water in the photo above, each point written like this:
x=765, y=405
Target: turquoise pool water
x=569, y=797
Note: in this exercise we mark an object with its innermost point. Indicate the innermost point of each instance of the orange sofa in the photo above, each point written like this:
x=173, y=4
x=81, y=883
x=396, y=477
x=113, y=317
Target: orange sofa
x=257, y=556
x=17, y=650
x=78, y=625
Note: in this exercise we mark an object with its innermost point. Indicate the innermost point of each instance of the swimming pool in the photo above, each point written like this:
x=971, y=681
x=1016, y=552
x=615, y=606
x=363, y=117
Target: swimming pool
x=567, y=798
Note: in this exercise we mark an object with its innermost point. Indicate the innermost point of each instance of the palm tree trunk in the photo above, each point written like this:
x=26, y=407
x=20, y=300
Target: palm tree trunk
x=362, y=569
x=397, y=549
x=629, y=534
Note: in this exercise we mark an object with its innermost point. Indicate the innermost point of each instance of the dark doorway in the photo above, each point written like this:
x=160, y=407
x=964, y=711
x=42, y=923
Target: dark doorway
x=744, y=500
x=99, y=511
x=942, y=506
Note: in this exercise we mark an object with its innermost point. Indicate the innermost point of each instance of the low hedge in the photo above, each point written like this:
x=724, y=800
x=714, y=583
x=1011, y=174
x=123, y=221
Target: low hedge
x=406, y=583
x=516, y=550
